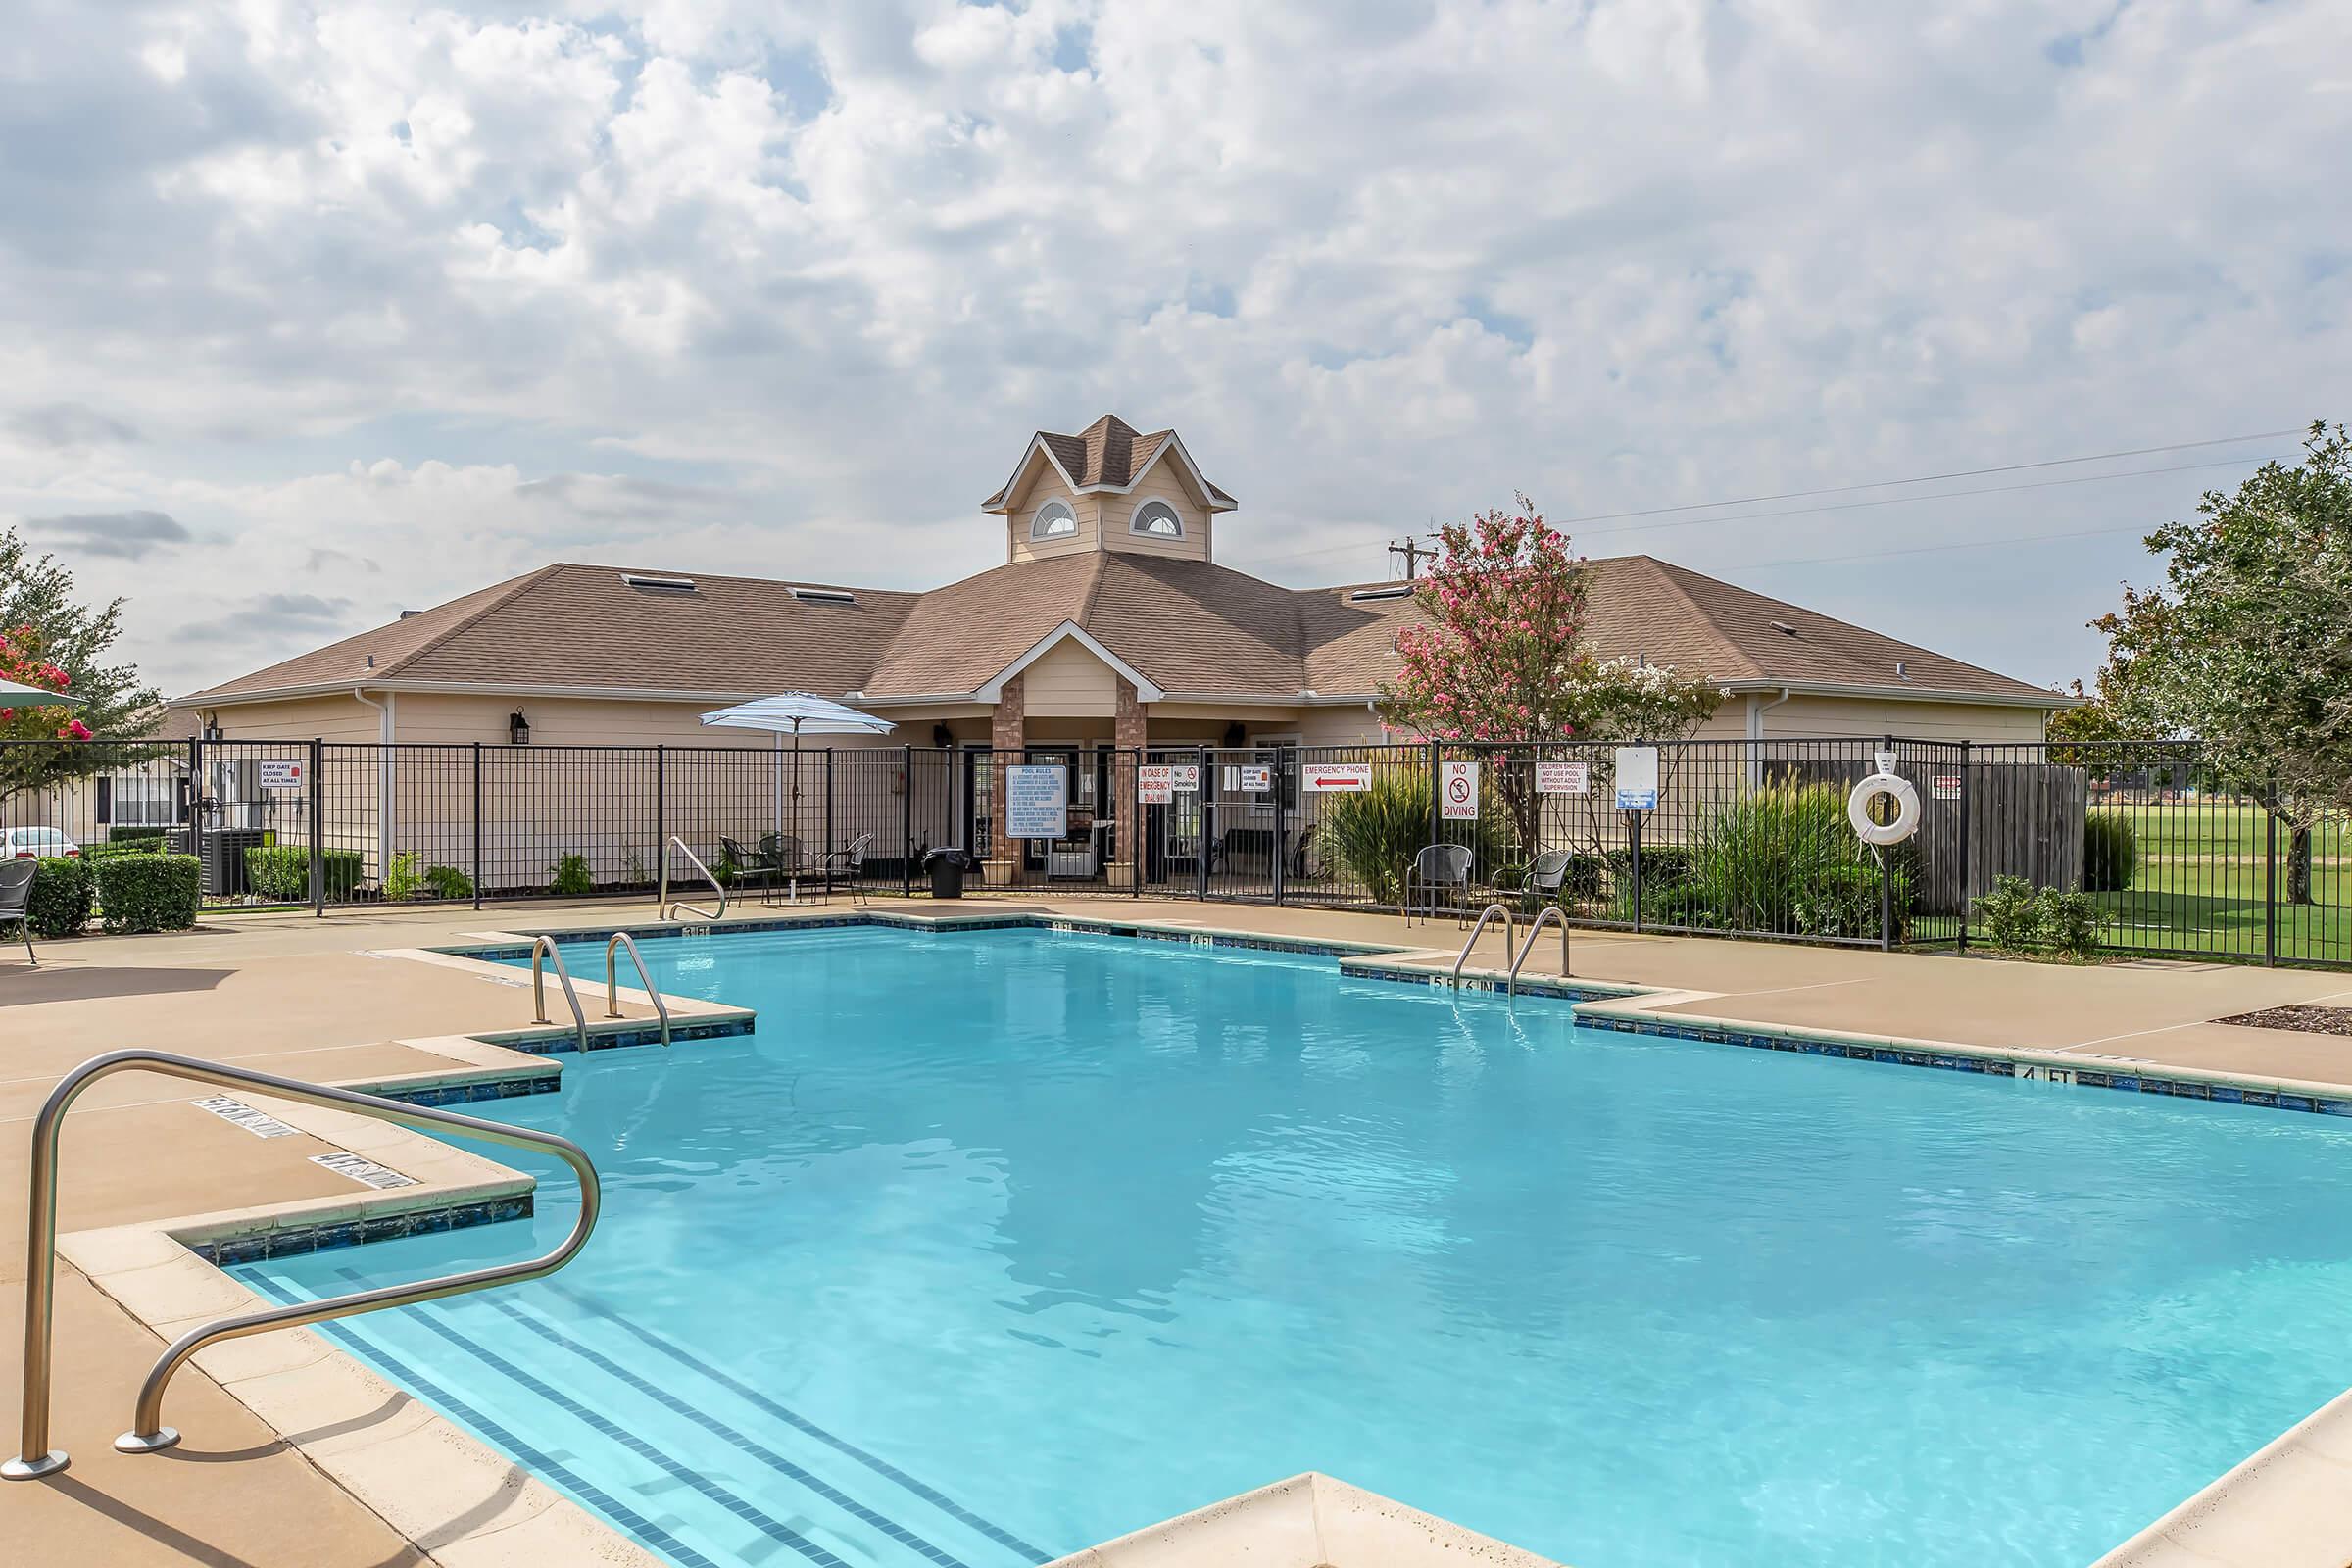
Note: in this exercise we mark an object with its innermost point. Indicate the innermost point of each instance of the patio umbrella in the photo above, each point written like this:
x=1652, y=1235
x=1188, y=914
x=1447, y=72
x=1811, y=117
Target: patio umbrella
x=796, y=714
x=13, y=695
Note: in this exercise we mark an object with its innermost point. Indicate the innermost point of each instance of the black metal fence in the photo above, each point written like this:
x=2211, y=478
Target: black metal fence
x=1744, y=837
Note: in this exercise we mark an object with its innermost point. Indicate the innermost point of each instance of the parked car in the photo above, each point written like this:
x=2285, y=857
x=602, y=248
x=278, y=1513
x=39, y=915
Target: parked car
x=35, y=843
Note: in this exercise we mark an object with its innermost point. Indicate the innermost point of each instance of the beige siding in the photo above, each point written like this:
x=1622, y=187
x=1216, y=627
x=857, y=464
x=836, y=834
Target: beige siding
x=339, y=716
x=1354, y=725
x=1864, y=719
x=1049, y=488
x=1161, y=484
x=1068, y=683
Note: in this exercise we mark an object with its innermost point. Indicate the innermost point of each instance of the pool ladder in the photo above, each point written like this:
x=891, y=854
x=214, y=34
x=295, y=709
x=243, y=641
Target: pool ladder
x=147, y=1434
x=545, y=952
x=665, y=909
x=1550, y=913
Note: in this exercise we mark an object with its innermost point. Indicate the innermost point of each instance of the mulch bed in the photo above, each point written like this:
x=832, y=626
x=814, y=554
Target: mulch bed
x=2310, y=1021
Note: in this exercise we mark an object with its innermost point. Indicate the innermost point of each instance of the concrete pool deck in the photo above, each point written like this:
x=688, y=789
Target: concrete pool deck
x=348, y=1000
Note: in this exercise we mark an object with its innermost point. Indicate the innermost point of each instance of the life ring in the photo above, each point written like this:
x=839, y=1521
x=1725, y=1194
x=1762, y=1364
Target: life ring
x=1906, y=810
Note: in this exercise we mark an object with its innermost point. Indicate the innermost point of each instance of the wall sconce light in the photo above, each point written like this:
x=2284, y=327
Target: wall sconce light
x=1235, y=735
x=518, y=728
x=942, y=736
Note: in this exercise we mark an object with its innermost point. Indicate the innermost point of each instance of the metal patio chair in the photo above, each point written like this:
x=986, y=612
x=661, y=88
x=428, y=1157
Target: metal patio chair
x=752, y=866
x=15, y=902
x=1439, y=868
x=1548, y=876
x=848, y=866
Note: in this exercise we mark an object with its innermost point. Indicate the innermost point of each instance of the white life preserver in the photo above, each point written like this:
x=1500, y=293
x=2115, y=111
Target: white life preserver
x=1906, y=810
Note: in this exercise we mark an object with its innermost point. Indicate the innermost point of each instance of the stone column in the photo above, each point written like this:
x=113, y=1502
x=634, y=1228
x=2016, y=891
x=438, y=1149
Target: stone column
x=1128, y=731
x=1007, y=733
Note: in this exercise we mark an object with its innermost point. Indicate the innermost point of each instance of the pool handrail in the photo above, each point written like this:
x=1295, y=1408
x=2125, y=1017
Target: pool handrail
x=1484, y=916
x=1549, y=912
x=621, y=939
x=663, y=907
x=543, y=950
x=35, y=1459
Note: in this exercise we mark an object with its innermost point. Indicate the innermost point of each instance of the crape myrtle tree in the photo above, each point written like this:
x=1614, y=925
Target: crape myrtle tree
x=50, y=640
x=1501, y=657
x=2247, y=645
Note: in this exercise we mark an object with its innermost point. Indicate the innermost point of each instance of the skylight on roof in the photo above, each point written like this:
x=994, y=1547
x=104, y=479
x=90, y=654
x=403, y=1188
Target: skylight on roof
x=1399, y=591
x=825, y=596
x=645, y=584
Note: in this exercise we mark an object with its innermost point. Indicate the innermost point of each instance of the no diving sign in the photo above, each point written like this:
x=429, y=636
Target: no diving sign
x=1457, y=792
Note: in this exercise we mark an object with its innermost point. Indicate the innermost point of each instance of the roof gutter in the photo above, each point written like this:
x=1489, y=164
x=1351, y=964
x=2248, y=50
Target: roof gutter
x=1906, y=693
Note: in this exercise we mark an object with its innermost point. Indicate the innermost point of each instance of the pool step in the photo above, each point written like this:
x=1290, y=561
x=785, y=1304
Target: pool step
x=699, y=1464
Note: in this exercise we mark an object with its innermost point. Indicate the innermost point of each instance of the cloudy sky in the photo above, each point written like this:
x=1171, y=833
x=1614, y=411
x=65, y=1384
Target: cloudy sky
x=309, y=314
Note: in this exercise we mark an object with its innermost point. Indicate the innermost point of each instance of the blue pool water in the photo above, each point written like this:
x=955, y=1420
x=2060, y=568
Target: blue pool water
x=990, y=1246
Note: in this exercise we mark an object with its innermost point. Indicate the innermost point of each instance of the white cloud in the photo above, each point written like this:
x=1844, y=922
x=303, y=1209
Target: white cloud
x=461, y=290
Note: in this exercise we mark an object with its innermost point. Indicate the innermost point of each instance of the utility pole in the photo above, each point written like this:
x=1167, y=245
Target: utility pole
x=1412, y=550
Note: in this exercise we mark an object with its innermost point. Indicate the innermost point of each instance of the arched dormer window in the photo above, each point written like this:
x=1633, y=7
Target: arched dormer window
x=1053, y=520
x=1157, y=520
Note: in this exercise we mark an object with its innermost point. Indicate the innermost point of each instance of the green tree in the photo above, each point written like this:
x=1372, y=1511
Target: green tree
x=2247, y=645
x=50, y=639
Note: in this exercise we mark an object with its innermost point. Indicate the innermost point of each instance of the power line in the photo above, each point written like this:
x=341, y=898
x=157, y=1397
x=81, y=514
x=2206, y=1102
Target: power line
x=1929, y=550
x=1848, y=506
x=1936, y=479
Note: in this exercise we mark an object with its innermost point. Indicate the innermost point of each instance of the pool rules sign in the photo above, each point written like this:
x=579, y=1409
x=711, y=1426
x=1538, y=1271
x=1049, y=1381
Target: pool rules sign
x=1458, y=791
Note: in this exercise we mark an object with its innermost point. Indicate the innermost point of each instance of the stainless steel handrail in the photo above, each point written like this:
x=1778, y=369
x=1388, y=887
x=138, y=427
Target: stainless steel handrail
x=1484, y=916
x=619, y=940
x=543, y=948
x=1549, y=912
x=664, y=907
x=34, y=1457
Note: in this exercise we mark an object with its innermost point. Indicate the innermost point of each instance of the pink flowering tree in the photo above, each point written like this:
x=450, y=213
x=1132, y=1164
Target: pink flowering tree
x=50, y=641
x=1500, y=656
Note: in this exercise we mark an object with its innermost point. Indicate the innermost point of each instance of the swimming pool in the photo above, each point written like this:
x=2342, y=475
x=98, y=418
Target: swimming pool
x=989, y=1246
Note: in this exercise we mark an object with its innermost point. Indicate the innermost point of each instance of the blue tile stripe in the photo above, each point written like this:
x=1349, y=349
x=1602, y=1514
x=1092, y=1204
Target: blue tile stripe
x=645, y=1529
x=295, y=1240
x=742, y=1441
x=2109, y=1077
x=773, y=1527
x=588, y=1303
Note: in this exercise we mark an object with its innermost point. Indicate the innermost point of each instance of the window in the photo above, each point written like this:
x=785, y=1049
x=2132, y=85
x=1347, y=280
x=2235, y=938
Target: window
x=1053, y=520
x=145, y=799
x=1159, y=519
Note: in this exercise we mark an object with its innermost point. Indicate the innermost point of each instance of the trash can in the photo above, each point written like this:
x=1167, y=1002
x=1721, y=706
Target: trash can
x=947, y=869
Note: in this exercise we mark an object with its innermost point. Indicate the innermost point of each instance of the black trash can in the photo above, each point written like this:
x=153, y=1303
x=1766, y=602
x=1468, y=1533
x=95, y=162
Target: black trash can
x=947, y=869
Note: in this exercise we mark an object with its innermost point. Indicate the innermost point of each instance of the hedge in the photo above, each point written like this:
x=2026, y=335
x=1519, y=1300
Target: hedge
x=63, y=890
x=136, y=833
x=116, y=848
x=2110, y=852
x=149, y=892
x=281, y=872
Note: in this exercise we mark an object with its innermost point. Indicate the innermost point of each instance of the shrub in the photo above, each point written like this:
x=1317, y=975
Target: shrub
x=448, y=882
x=150, y=892
x=572, y=878
x=2110, y=852
x=116, y=848
x=1782, y=859
x=1376, y=832
x=136, y=834
x=280, y=873
x=63, y=890
x=2019, y=918
x=402, y=881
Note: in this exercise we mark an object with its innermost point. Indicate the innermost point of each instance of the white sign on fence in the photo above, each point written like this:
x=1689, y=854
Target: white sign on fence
x=282, y=774
x=1563, y=778
x=1457, y=792
x=1153, y=784
x=1637, y=778
x=1257, y=778
x=1185, y=776
x=1036, y=802
x=1947, y=787
x=1335, y=779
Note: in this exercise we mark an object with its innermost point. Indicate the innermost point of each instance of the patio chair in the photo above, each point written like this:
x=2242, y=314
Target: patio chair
x=1548, y=876
x=16, y=900
x=848, y=866
x=752, y=866
x=1439, y=868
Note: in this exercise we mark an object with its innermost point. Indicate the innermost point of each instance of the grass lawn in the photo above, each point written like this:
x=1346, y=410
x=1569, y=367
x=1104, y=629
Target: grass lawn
x=2199, y=885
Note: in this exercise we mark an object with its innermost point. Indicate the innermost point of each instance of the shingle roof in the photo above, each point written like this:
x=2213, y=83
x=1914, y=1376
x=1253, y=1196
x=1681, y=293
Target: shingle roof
x=1188, y=626
x=1108, y=452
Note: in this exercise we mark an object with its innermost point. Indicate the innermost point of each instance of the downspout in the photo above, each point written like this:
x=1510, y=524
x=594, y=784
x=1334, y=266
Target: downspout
x=1756, y=709
x=383, y=782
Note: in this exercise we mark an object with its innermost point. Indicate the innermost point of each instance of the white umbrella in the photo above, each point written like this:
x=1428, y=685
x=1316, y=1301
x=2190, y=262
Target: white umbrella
x=796, y=714
x=13, y=695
